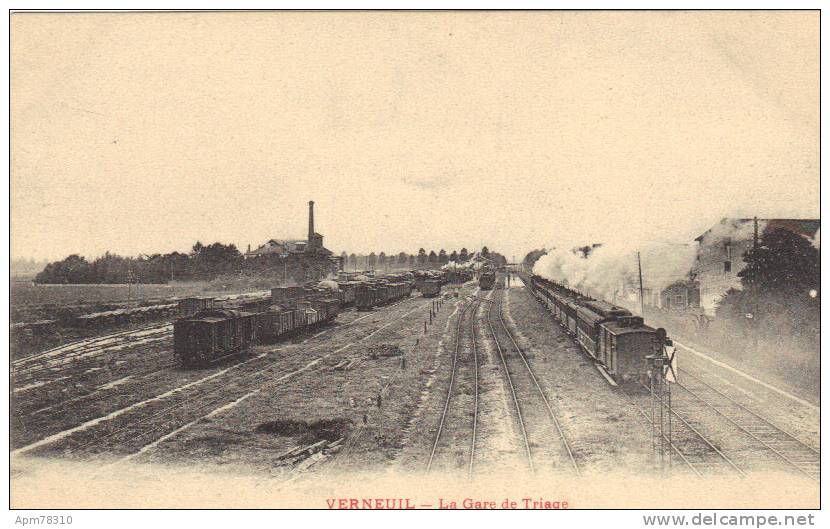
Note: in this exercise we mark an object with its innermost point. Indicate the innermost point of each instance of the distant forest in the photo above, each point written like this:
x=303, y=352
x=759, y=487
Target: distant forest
x=422, y=260
x=203, y=262
x=207, y=262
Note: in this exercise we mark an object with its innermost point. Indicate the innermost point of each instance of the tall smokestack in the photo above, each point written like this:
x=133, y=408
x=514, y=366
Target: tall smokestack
x=310, y=221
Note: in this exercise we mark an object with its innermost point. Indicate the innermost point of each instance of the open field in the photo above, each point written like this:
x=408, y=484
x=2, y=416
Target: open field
x=28, y=294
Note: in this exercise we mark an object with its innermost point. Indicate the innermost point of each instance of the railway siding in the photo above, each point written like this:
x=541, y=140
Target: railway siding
x=183, y=388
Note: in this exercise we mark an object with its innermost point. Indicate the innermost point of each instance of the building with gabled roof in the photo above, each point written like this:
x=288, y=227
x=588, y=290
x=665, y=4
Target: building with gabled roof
x=296, y=247
x=721, y=249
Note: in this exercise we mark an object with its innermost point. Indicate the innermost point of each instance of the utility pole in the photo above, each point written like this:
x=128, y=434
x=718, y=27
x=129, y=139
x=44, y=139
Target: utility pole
x=640, y=270
x=755, y=292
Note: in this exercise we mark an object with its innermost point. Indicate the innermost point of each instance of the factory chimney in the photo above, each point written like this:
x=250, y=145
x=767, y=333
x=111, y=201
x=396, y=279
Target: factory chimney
x=310, y=222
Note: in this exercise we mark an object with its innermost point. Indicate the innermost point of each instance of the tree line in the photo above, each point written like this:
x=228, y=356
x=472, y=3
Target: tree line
x=421, y=260
x=207, y=262
x=202, y=262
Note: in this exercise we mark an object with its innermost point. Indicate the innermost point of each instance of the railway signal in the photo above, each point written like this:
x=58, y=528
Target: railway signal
x=661, y=372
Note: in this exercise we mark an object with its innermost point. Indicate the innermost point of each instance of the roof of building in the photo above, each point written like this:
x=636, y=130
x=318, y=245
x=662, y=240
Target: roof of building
x=804, y=227
x=285, y=246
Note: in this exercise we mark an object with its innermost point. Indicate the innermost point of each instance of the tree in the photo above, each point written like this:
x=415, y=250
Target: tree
x=372, y=261
x=73, y=269
x=353, y=262
x=197, y=249
x=433, y=259
x=463, y=256
x=442, y=257
x=382, y=260
x=783, y=262
x=531, y=258
x=497, y=259
x=485, y=252
x=779, y=304
x=422, y=258
x=403, y=260
x=454, y=256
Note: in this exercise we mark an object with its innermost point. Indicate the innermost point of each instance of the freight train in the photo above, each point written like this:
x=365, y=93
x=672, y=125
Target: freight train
x=207, y=334
x=458, y=276
x=618, y=341
x=373, y=294
x=211, y=334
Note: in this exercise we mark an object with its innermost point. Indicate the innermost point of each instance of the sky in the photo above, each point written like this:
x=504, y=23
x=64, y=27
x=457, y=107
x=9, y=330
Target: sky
x=142, y=133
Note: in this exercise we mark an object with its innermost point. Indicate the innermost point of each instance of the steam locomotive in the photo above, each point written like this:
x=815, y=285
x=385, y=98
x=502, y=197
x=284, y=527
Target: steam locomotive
x=486, y=279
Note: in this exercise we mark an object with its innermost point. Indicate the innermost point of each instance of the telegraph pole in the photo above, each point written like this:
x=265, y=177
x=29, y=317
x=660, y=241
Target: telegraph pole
x=640, y=270
x=755, y=290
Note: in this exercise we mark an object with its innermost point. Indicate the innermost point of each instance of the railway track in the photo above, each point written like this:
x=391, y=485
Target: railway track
x=146, y=422
x=694, y=449
x=774, y=446
x=456, y=411
x=787, y=412
x=84, y=353
x=536, y=418
x=86, y=389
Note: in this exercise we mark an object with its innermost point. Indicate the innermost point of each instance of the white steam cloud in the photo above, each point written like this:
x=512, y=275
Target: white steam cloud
x=610, y=271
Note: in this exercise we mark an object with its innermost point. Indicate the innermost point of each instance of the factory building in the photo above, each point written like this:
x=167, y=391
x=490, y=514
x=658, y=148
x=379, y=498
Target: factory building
x=298, y=259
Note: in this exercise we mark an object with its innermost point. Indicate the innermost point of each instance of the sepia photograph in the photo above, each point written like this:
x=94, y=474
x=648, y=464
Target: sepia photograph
x=402, y=260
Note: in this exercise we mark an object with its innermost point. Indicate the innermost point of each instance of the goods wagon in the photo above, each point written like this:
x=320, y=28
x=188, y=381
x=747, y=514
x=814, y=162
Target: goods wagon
x=275, y=324
x=210, y=335
x=431, y=288
x=194, y=304
x=348, y=291
x=285, y=295
x=365, y=297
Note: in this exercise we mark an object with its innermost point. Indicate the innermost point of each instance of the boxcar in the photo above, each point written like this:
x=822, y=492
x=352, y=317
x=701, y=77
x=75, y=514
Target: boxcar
x=286, y=295
x=311, y=318
x=623, y=346
x=210, y=335
x=300, y=323
x=607, y=310
x=569, y=309
x=587, y=329
x=559, y=308
x=348, y=290
x=327, y=309
x=431, y=288
x=274, y=324
x=195, y=304
x=381, y=294
x=364, y=297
